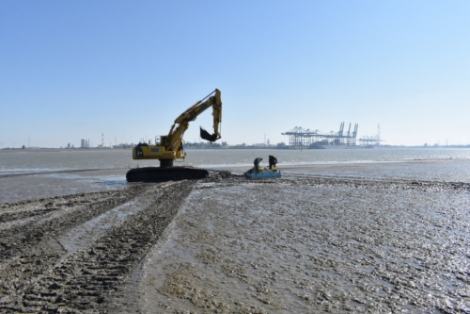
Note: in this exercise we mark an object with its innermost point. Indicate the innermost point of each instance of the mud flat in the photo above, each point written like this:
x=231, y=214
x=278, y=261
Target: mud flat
x=308, y=244
x=75, y=254
x=300, y=244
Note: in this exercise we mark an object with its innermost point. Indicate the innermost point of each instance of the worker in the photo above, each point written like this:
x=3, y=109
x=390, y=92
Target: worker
x=256, y=162
x=272, y=162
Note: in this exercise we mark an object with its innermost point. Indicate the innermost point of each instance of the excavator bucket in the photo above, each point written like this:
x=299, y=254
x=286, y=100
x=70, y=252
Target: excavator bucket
x=207, y=136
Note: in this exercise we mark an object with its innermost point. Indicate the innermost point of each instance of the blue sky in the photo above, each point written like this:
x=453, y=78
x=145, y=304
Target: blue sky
x=127, y=69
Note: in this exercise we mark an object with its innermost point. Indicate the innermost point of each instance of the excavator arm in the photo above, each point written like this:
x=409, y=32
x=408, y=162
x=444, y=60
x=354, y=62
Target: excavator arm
x=175, y=136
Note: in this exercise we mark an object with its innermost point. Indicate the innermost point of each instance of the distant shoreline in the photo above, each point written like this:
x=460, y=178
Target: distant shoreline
x=40, y=149
x=45, y=149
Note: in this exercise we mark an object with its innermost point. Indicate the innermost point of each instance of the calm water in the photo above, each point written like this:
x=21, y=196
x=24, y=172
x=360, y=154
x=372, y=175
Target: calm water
x=33, y=174
x=37, y=161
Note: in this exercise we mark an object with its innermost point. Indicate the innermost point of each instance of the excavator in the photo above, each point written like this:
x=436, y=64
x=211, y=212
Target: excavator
x=170, y=147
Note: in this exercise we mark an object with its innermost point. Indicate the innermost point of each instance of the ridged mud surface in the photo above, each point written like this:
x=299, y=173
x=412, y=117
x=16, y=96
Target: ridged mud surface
x=39, y=274
x=300, y=244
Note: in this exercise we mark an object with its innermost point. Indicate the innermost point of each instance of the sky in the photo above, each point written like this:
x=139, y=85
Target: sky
x=125, y=70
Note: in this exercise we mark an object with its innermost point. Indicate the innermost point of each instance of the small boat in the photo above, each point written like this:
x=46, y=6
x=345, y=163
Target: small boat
x=263, y=173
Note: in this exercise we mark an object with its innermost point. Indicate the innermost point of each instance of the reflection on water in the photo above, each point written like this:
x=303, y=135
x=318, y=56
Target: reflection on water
x=112, y=182
x=26, y=187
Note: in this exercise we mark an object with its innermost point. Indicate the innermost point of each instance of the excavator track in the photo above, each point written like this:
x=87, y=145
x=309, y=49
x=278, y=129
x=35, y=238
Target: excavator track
x=158, y=174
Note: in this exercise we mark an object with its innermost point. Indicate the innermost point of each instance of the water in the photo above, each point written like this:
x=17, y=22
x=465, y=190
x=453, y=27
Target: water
x=43, y=173
x=12, y=162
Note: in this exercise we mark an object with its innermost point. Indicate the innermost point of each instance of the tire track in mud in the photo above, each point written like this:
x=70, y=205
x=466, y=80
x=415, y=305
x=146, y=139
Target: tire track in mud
x=28, y=250
x=25, y=212
x=41, y=203
x=9, y=217
x=91, y=279
x=19, y=239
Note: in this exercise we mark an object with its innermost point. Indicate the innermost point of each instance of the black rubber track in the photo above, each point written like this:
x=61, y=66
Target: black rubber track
x=157, y=174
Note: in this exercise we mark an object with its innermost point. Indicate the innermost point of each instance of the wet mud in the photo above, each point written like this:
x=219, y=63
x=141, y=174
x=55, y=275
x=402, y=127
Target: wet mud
x=300, y=244
x=38, y=274
x=315, y=245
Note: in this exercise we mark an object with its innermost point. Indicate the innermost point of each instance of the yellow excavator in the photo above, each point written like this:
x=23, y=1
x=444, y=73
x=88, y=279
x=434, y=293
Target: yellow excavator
x=170, y=147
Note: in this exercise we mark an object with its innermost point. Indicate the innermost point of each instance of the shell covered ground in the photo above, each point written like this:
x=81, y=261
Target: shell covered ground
x=300, y=244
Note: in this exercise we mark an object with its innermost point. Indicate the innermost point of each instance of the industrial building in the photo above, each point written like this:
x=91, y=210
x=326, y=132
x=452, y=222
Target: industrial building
x=85, y=143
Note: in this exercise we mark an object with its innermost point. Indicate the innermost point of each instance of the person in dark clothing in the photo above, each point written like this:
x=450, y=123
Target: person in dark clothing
x=256, y=162
x=272, y=161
